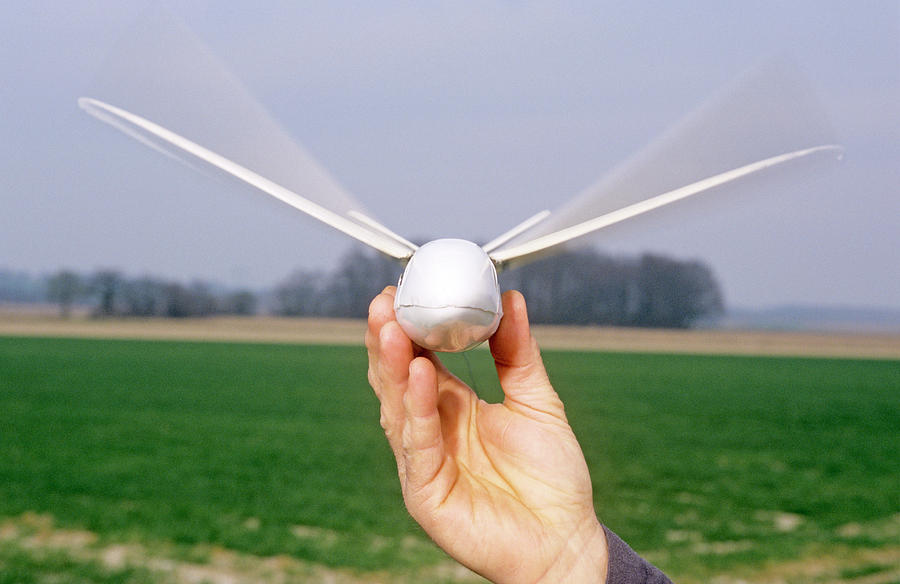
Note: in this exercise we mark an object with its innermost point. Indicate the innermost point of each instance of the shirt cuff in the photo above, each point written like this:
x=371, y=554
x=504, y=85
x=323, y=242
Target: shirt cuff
x=626, y=567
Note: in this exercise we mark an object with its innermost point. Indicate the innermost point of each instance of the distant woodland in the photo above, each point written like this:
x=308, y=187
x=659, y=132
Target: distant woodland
x=578, y=287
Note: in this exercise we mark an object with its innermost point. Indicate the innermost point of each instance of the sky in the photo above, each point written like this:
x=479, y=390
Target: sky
x=453, y=119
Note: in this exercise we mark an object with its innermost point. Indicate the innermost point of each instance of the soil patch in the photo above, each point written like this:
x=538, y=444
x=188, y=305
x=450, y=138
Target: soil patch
x=350, y=332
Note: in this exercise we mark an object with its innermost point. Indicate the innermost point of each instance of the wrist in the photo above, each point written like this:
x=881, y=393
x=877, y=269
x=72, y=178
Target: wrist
x=585, y=557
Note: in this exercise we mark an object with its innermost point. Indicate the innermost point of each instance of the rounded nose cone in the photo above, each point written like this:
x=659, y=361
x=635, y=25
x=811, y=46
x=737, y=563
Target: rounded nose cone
x=448, y=298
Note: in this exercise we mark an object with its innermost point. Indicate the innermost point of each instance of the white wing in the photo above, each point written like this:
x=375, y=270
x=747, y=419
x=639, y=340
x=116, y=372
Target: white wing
x=165, y=141
x=162, y=71
x=768, y=117
x=518, y=229
x=376, y=226
x=545, y=242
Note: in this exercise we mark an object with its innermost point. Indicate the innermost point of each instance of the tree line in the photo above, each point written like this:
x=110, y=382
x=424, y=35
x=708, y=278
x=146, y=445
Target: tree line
x=575, y=287
x=110, y=293
x=588, y=287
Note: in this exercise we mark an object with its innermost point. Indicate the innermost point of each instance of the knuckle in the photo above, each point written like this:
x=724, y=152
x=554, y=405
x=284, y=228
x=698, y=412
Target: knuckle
x=371, y=342
x=373, y=303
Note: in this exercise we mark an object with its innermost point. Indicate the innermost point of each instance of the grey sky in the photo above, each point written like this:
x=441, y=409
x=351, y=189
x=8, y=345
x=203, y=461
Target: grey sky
x=457, y=119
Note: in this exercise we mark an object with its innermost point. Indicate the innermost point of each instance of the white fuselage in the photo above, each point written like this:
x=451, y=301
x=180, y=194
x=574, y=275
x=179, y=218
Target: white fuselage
x=448, y=298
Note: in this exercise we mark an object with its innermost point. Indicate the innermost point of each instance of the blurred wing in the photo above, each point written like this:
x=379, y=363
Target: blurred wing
x=172, y=144
x=556, y=238
x=767, y=114
x=161, y=71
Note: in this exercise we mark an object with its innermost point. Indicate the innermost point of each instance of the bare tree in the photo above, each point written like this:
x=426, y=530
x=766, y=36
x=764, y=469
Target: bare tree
x=242, y=302
x=106, y=285
x=359, y=277
x=587, y=287
x=675, y=294
x=64, y=287
x=144, y=296
x=300, y=294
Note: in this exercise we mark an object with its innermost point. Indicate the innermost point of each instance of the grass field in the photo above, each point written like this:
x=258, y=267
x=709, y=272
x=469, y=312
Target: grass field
x=146, y=461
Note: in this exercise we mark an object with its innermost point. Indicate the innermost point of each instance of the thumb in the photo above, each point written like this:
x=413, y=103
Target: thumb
x=423, y=443
x=518, y=360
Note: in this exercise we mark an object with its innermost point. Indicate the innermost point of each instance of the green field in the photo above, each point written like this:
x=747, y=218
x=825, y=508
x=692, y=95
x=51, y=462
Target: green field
x=708, y=465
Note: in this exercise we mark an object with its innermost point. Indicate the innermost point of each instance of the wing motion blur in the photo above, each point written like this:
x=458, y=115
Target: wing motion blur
x=160, y=70
x=768, y=117
x=174, y=145
x=545, y=242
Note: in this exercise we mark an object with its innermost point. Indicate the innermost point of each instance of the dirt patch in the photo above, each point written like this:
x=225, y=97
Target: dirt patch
x=35, y=535
x=224, y=328
x=350, y=332
x=720, y=342
x=867, y=566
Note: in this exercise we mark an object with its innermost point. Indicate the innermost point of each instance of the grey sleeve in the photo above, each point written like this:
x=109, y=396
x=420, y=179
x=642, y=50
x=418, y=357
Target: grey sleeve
x=626, y=567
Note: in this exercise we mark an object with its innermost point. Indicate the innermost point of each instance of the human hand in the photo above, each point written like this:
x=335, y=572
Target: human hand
x=503, y=488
